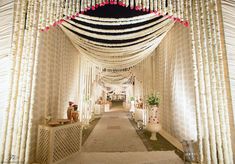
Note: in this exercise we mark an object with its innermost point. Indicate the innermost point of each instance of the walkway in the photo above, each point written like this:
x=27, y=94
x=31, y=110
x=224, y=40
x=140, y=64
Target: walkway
x=115, y=141
x=114, y=133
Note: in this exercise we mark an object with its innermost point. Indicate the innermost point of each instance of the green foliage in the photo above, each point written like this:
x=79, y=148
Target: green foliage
x=154, y=99
x=132, y=98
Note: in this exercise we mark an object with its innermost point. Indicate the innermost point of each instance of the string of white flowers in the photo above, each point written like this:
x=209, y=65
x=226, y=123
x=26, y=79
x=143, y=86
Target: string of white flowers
x=218, y=150
x=86, y=5
x=204, y=97
x=65, y=9
x=116, y=51
x=151, y=6
x=40, y=24
x=148, y=5
x=29, y=77
x=57, y=17
x=196, y=82
x=95, y=44
x=126, y=2
x=93, y=4
x=164, y=10
x=52, y=10
x=224, y=72
x=82, y=6
x=17, y=43
x=181, y=8
x=124, y=36
x=74, y=7
x=169, y=7
x=62, y=8
x=72, y=35
x=159, y=6
x=22, y=116
x=100, y=2
x=141, y=18
x=78, y=7
x=70, y=9
x=132, y=4
x=219, y=70
x=185, y=12
x=121, y=63
x=115, y=30
x=127, y=55
x=47, y=12
x=209, y=83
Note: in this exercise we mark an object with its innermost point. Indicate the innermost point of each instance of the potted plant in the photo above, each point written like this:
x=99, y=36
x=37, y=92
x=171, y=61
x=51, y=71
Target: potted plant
x=153, y=117
x=154, y=99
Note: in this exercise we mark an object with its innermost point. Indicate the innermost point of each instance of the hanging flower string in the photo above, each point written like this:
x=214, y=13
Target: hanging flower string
x=54, y=12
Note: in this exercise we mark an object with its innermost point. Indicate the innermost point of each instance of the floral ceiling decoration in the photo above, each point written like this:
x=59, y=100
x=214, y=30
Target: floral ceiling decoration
x=54, y=12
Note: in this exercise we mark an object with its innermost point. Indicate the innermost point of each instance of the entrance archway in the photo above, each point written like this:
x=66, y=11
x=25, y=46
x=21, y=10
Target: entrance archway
x=30, y=97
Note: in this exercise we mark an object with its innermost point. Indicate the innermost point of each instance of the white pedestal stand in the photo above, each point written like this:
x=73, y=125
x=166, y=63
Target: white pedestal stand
x=153, y=123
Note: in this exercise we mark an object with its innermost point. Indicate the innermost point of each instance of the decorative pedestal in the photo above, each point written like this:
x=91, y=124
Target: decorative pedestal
x=153, y=123
x=132, y=109
x=153, y=128
x=58, y=143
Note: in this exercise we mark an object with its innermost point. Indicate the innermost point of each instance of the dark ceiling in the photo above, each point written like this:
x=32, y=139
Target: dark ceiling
x=114, y=11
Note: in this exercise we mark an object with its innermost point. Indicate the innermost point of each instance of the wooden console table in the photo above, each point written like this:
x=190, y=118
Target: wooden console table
x=55, y=144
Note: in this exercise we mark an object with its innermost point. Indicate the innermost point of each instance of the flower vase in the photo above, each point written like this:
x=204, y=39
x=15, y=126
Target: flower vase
x=153, y=122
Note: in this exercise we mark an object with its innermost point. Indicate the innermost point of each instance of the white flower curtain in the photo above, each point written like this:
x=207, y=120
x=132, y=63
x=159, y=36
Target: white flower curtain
x=209, y=68
x=169, y=72
x=229, y=31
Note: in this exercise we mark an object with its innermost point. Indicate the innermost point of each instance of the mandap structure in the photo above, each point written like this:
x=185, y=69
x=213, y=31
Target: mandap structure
x=53, y=51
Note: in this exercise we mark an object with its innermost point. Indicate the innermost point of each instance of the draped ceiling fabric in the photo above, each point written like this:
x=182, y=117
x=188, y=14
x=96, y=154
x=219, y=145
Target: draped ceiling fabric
x=112, y=43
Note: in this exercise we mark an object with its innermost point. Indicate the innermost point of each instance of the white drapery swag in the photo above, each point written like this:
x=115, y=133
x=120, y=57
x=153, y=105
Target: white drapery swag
x=119, y=55
x=53, y=12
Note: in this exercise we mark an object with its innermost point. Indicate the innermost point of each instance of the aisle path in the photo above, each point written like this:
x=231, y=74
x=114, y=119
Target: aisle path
x=114, y=133
x=115, y=141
